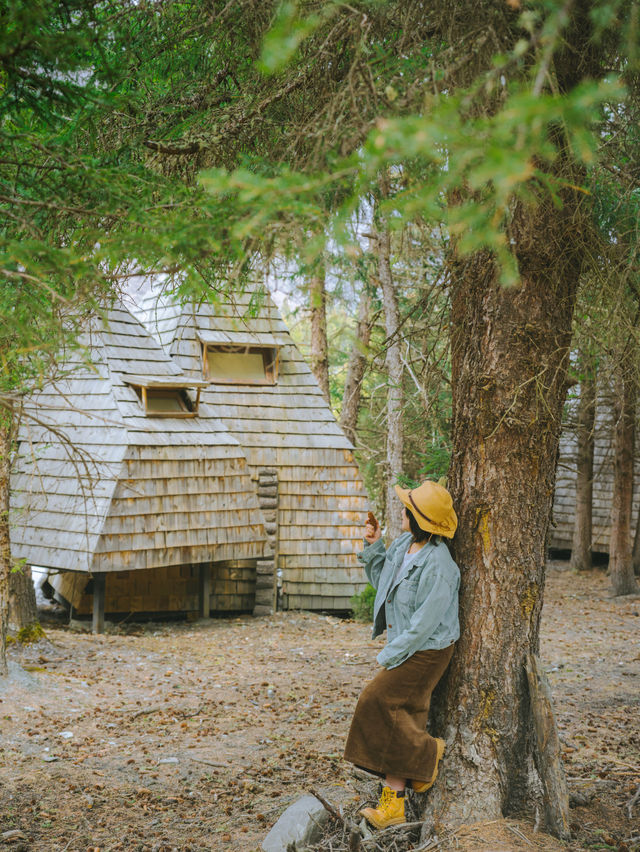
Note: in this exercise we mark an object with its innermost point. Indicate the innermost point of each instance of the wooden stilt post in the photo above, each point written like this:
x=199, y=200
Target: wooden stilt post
x=204, y=590
x=98, y=602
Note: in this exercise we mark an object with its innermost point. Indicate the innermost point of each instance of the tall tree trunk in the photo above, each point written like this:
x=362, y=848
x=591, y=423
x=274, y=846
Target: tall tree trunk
x=356, y=368
x=583, y=529
x=319, y=353
x=395, y=371
x=509, y=379
x=509, y=367
x=620, y=546
x=6, y=440
x=635, y=558
x=23, y=611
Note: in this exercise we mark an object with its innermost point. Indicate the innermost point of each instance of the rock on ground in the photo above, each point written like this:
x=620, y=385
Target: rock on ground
x=301, y=823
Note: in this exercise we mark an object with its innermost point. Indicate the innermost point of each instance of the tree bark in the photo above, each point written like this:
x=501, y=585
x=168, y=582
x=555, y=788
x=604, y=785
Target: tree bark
x=395, y=371
x=555, y=794
x=509, y=353
x=509, y=367
x=23, y=612
x=319, y=353
x=6, y=440
x=636, y=548
x=356, y=368
x=620, y=544
x=583, y=529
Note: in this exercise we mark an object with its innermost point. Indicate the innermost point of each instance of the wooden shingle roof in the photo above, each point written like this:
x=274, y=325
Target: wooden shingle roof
x=101, y=486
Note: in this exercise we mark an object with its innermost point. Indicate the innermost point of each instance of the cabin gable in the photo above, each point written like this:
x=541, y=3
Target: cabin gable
x=311, y=492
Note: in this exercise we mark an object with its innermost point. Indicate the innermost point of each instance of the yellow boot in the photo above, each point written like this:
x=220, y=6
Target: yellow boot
x=390, y=810
x=423, y=786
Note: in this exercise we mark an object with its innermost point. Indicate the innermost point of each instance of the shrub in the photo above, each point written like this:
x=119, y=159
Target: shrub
x=362, y=604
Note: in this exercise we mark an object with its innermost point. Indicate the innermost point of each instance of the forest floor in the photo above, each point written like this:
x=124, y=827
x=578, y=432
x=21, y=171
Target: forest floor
x=197, y=736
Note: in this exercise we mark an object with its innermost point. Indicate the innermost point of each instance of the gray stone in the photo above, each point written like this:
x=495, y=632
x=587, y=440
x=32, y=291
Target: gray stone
x=301, y=823
x=262, y=609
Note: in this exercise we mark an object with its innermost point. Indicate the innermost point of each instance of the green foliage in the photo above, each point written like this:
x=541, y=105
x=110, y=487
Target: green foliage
x=197, y=140
x=362, y=604
x=288, y=31
x=486, y=161
x=435, y=460
x=82, y=204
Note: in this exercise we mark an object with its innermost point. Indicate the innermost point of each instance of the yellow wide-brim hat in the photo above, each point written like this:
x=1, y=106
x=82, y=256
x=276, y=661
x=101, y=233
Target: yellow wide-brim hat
x=432, y=507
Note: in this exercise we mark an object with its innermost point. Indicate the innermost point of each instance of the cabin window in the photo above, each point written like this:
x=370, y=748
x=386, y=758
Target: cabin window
x=241, y=365
x=167, y=402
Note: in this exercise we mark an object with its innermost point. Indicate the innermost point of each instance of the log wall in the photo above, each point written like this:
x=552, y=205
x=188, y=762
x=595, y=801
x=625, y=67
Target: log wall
x=172, y=589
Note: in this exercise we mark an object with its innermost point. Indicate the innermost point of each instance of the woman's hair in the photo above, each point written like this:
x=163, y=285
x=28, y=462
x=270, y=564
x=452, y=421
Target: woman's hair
x=416, y=530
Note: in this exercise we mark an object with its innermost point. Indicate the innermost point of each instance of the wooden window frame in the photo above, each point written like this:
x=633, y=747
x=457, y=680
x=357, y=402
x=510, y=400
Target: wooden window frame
x=270, y=361
x=144, y=393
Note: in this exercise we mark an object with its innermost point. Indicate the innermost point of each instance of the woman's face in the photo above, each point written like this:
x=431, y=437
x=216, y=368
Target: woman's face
x=405, y=521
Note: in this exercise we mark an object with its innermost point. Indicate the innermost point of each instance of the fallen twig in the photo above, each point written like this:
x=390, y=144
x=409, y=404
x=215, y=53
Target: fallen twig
x=355, y=840
x=632, y=801
x=147, y=711
x=139, y=712
x=187, y=715
x=327, y=806
x=432, y=843
x=210, y=763
x=403, y=826
x=519, y=834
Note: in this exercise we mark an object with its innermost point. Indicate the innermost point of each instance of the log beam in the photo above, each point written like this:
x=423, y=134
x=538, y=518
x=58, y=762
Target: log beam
x=204, y=590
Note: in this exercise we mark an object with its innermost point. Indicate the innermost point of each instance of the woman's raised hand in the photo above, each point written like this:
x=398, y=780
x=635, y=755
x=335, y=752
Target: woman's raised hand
x=372, y=531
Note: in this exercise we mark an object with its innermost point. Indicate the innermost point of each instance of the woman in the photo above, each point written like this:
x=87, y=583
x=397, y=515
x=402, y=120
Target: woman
x=417, y=602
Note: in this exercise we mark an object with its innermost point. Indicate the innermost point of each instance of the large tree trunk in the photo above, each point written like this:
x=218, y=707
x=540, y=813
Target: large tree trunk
x=620, y=547
x=583, y=528
x=356, y=368
x=319, y=353
x=6, y=439
x=395, y=371
x=509, y=364
x=509, y=379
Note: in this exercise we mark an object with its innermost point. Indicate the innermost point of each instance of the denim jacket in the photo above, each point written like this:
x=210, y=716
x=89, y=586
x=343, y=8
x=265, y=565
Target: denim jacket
x=418, y=606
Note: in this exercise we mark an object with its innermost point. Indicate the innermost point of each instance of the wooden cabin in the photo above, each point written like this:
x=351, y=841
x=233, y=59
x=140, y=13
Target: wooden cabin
x=125, y=478
x=260, y=387
x=564, y=502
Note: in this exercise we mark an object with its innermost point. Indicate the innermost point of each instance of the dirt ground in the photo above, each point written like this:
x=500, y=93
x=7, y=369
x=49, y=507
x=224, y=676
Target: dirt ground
x=198, y=736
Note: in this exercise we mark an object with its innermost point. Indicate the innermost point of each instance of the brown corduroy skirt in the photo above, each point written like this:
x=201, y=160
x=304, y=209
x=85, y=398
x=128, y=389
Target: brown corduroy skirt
x=388, y=734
